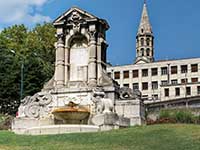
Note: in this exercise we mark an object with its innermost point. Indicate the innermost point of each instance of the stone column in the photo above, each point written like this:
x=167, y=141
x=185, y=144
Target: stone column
x=92, y=67
x=67, y=49
x=99, y=61
x=60, y=58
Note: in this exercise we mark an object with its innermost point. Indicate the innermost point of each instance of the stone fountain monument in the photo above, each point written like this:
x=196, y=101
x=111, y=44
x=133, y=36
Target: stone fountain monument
x=80, y=97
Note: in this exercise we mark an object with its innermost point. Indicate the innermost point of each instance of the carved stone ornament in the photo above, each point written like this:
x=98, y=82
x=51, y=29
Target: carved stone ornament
x=102, y=105
x=35, y=106
x=76, y=19
x=60, y=37
x=127, y=93
x=93, y=35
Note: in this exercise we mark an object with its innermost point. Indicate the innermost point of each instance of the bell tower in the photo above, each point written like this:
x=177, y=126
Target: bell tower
x=144, y=39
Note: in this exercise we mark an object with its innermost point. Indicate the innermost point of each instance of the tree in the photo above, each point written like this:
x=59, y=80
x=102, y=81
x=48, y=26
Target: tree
x=34, y=48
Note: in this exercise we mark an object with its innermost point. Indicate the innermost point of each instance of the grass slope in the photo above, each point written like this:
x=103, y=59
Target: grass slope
x=156, y=137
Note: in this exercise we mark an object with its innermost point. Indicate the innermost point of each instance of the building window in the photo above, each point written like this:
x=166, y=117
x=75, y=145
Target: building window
x=117, y=75
x=174, y=70
x=145, y=86
x=167, y=92
x=194, y=68
x=174, y=82
x=194, y=80
x=164, y=71
x=142, y=41
x=135, y=86
x=184, y=69
x=126, y=74
x=198, y=89
x=135, y=73
x=177, y=91
x=154, y=71
x=188, y=90
x=155, y=96
x=144, y=72
x=164, y=82
x=148, y=42
x=184, y=81
x=154, y=85
x=126, y=85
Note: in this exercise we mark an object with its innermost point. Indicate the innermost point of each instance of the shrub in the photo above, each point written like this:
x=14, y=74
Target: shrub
x=176, y=116
x=164, y=114
x=183, y=116
x=5, y=122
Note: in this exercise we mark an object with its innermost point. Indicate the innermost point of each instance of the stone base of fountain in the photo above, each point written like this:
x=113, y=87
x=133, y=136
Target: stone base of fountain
x=60, y=129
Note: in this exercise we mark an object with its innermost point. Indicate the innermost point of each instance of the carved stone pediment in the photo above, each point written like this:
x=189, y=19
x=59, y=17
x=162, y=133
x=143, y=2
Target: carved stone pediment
x=74, y=16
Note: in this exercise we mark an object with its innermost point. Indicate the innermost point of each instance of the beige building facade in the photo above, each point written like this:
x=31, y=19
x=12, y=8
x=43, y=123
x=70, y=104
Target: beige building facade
x=157, y=80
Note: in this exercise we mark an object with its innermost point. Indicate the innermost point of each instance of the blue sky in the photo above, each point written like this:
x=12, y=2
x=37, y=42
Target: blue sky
x=175, y=23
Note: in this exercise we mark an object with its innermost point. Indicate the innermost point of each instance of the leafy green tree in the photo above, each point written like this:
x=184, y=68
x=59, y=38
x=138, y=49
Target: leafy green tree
x=35, y=49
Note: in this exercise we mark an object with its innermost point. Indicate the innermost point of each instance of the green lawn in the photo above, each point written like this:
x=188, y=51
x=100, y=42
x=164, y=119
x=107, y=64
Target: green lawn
x=157, y=137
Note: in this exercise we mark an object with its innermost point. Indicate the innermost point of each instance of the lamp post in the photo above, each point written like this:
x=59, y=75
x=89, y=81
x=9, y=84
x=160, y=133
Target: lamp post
x=22, y=75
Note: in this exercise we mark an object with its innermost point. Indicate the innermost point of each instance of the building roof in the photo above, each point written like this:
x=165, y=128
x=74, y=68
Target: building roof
x=145, y=26
x=160, y=61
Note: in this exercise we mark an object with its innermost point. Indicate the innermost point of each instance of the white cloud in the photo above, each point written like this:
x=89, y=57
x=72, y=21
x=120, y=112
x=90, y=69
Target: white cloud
x=22, y=11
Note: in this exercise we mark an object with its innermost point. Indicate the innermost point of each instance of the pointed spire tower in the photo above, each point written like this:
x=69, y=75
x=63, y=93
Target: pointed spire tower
x=144, y=39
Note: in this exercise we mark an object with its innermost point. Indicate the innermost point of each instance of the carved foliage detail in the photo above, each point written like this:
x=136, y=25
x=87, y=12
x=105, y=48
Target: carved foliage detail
x=36, y=106
x=76, y=19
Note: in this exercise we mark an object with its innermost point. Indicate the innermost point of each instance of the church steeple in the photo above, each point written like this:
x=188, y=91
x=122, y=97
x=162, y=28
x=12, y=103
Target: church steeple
x=144, y=39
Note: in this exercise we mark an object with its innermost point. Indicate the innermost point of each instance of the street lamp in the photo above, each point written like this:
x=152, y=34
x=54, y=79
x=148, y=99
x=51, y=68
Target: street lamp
x=22, y=75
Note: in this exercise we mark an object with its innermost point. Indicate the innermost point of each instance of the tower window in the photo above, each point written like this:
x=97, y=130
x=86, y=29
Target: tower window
x=148, y=42
x=148, y=52
x=142, y=30
x=142, y=41
x=142, y=51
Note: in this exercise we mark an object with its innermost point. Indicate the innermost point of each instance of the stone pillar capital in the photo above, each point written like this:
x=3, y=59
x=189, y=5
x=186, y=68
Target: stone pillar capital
x=92, y=35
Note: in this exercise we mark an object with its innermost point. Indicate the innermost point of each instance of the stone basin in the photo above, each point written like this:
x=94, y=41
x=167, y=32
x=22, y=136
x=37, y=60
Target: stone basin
x=71, y=115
